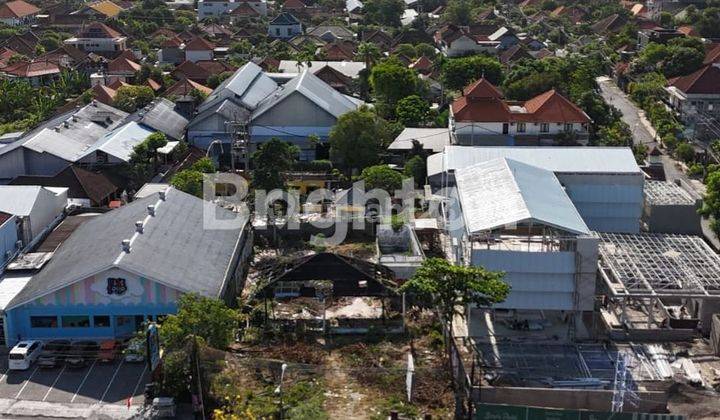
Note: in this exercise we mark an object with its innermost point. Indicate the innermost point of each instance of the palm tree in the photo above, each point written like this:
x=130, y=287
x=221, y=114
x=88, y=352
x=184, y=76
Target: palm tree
x=369, y=53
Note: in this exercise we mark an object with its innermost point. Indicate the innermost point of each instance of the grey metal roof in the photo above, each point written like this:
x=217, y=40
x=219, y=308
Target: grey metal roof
x=351, y=5
x=175, y=248
x=70, y=135
x=502, y=192
x=285, y=18
x=227, y=108
x=316, y=90
x=247, y=86
x=121, y=141
x=590, y=160
x=19, y=200
x=434, y=139
x=163, y=116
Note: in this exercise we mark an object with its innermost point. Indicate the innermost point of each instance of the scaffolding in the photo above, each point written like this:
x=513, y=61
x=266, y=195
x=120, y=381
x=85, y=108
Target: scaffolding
x=662, y=193
x=659, y=265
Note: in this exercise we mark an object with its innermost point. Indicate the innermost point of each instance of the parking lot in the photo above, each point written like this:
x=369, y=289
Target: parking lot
x=106, y=383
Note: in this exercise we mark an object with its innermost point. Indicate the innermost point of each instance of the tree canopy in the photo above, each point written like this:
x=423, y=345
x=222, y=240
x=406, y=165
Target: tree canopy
x=392, y=81
x=457, y=73
x=202, y=317
x=451, y=288
x=381, y=177
x=270, y=160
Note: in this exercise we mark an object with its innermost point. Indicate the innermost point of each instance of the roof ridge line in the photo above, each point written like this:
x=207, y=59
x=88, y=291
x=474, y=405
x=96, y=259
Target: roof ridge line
x=145, y=221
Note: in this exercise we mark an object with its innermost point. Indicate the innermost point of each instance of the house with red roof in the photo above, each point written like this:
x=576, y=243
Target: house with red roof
x=198, y=49
x=698, y=92
x=38, y=73
x=104, y=94
x=482, y=117
x=458, y=41
x=18, y=12
x=99, y=38
x=189, y=70
x=171, y=51
x=123, y=69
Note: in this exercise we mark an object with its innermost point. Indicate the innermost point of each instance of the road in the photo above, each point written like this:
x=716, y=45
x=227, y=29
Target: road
x=631, y=114
x=634, y=117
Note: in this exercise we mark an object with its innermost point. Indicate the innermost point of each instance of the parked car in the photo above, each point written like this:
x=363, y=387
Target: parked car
x=108, y=350
x=24, y=354
x=82, y=352
x=53, y=353
x=135, y=351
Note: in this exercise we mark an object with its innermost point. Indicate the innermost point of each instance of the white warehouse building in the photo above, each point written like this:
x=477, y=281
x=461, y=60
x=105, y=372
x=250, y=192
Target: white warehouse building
x=604, y=184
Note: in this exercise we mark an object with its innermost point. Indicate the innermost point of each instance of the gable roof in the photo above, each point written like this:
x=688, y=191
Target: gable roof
x=712, y=54
x=98, y=30
x=188, y=69
x=706, y=80
x=314, y=89
x=185, y=86
x=17, y=9
x=482, y=88
x=123, y=65
x=199, y=44
x=162, y=115
x=32, y=68
x=248, y=86
x=338, y=31
x=293, y=5
x=80, y=183
x=174, y=249
x=121, y=141
x=285, y=18
x=104, y=93
x=513, y=54
x=503, y=191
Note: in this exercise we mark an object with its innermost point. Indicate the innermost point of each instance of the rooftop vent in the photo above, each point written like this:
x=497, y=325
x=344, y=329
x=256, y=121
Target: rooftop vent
x=126, y=245
x=151, y=209
x=139, y=226
x=162, y=195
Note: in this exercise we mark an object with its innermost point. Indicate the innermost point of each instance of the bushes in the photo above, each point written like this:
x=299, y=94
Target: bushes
x=685, y=152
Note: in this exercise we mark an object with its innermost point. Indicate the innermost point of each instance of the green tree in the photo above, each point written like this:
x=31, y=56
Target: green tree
x=416, y=168
x=188, y=181
x=392, y=81
x=450, y=288
x=270, y=160
x=130, y=98
x=457, y=73
x=369, y=53
x=683, y=61
x=358, y=138
x=685, y=152
x=381, y=177
x=413, y=111
x=383, y=12
x=458, y=12
x=202, y=317
x=711, y=201
x=666, y=19
x=408, y=50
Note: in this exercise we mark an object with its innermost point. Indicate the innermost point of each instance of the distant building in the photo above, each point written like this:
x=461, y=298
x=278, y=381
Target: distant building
x=18, y=12
x=284, y=26
x=220, y=9
x=481, y=117
x=199, y=49
x=98, y=38
x=35, y=207
x=696, y=96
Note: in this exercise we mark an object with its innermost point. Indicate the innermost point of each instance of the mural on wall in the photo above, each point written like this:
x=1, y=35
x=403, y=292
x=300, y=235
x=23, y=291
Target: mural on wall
x=113, y=287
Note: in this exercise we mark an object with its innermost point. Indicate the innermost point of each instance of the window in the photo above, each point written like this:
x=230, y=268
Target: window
x=521, y=127
x=277, y=31
x=43, y=322
x=544, y=127
x=101, y=321
x=568, y=127
x=76, y=321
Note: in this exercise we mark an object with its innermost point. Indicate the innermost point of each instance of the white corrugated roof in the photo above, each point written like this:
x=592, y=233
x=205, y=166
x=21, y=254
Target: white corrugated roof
x=591, y=160
x=122, y=140
x=434, y=139
x=18, y=199
x=10, y=286
x=348, y=68
x=502, y=192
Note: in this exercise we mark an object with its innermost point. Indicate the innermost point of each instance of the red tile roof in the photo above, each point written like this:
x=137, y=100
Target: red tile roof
x=123, y=65
x=117, y=84
x=215, y=67
x=104, y=94
x=173, y=42
x=244, y=10
x=199, y=44
x=5, y=55
x=32, y=69
x=99, y=30
x=703, y=81
x=553, y=107
x=17, y=9
x=4, y=217
x=153, y=84
x=189, y=70
x=712, y=54
x=184, y=87
x=482, y=89
x=688, y=30
x=294, y=5
x=482, y=102
x=422, y=64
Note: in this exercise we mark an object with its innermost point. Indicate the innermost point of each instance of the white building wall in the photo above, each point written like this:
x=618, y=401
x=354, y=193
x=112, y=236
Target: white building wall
x=98, y=44
x=210, y=9
x=539, y=280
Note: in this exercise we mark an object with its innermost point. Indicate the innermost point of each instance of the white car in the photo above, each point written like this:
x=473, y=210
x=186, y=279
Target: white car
x=24, y=354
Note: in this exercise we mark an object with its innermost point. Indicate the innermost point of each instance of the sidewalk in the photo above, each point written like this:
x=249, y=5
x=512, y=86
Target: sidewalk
x=60, y=411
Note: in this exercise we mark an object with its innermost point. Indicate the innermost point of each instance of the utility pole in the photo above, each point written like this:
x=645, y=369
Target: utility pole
x=240, y=143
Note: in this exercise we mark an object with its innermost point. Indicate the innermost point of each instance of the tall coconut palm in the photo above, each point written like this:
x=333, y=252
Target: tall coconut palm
x=369, y=53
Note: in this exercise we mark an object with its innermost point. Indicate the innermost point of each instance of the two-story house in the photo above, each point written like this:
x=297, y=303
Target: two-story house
x=481, y=117
x=284, y=26
x=99, y=38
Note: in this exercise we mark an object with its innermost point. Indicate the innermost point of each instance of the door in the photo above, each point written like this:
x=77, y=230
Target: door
x=505, y=128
